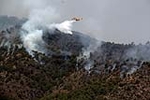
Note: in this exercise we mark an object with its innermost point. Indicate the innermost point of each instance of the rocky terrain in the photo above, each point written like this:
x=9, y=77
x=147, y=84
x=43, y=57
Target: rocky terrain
x=113, y=73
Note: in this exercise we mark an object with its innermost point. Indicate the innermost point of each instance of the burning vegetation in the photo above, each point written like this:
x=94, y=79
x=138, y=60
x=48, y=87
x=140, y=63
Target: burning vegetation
x=55, y=63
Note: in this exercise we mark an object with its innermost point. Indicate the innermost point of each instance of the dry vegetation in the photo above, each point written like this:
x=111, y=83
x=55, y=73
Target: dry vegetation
x=22, y=78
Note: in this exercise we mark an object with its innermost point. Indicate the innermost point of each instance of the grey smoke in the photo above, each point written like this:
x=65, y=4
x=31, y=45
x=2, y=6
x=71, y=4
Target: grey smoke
x=139, y=52
x=110, y=20
x=121, y=21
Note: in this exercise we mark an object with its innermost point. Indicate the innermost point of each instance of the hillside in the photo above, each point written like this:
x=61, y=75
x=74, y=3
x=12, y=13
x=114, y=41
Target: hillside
x=62, y=74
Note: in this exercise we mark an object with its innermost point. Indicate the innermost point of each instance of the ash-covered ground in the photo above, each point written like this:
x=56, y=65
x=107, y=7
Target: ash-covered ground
x=70, y=66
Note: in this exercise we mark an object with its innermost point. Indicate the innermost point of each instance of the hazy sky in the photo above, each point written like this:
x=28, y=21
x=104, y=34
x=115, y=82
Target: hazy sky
x=109, y=20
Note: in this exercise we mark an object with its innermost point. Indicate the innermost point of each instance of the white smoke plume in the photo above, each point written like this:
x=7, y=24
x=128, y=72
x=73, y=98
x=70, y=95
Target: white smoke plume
x=110, y=20
x=33, y=29
x=32, y=36
x=122, y=21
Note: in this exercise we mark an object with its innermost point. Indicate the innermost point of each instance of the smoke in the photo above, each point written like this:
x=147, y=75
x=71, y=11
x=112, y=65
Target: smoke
x=123, y=21
x=109, y=20
x=32, y=36
x=41, y=17
x=139, y=52
x=86, y=55
x=9, y=39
